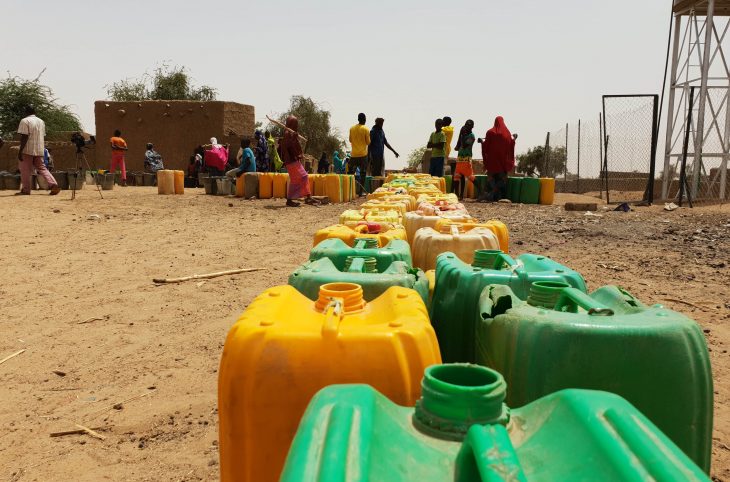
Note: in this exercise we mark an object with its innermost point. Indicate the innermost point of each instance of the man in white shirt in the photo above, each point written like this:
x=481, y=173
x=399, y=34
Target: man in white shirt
x=32, y=132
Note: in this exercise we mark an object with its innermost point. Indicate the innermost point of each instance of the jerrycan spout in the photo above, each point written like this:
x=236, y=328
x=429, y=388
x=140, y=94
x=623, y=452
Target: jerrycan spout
x=545, y=294
x=457, y=396
x=486, y=258
x=349, y=295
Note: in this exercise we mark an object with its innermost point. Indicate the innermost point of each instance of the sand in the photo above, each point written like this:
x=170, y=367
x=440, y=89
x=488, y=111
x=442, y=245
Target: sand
x=77, y=295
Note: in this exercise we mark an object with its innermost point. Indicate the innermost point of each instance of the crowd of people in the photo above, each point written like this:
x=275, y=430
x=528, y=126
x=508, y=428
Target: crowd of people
x=261, y=154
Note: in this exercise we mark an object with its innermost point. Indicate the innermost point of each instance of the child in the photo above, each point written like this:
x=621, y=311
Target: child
x=248, y=160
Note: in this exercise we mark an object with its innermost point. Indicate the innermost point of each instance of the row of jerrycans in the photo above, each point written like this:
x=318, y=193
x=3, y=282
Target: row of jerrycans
x=559, y=338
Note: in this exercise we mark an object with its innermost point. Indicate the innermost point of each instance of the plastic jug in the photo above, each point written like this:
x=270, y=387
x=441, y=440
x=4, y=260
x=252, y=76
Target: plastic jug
x=382, y=232
x=351, y=217
x=514, y=185
x=165, y=181
x=481, y=185
x=338, y=252
x=179, y=182
x=266, y=185
x=360, y=270
x=560, y=337
x=408, y=200
x=547, y=190
x=250, y=184
x=462, y=431
x=279, y=185
x=449, y=198
x=223, y=186
x=346, y=183
x=455, y=307
x=285, y=347
x=529, y=190
x=415, y=220
x=449, y=183
x=320, y=187
x=240, y=187
x=333, y=188
x=400, y=206
x=428, y=244
x=440, y=207
x=497, y=227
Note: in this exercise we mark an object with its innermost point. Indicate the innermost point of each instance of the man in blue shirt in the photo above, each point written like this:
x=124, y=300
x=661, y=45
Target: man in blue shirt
x=248, y=160
x=376, y=149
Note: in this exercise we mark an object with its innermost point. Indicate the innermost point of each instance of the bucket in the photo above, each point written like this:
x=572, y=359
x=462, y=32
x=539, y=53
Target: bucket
x=75, y=180
x=105, y=180
x=42, y=183
x=210, y=186
x=139, y=179
x=12, y=182
x=223, y=186
x=201, y=176
x=149, y=179
x=61, y=179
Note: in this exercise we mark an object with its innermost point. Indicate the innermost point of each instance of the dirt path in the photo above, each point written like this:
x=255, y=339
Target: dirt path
x=160, y=345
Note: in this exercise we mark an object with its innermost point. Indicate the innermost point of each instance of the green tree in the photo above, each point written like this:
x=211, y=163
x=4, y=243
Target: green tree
x=165, y=83
x=314, y=124
x=416, y=156
x=16, y=94
x=536, y=162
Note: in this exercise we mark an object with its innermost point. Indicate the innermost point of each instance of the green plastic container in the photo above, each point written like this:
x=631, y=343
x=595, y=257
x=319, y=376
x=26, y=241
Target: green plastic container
x=337, y=251
x=455, y=302
x=449, y=182
x=530, y=190
x=481, y=185
x=514, y=185
x=360, y=270
x=654, y=357
x=369, y=183
x=461, y=431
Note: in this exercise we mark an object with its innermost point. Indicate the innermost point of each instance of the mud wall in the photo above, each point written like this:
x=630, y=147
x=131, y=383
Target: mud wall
x=174, y=127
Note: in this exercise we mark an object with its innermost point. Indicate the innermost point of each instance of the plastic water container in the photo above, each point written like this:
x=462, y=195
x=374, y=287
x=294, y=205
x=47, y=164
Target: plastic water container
x=279, y=185
x=429, y=243
x=415, y=220
x=165, y=181
x=61, y=178
x=334, y=188
x=338, y=252
x=361, y=270
x=461, y=430
x=352, y=217
x=285, y=347
x=105, y=180
x=383, y=233
x=514, y=188
x=497, y=227
x=455, y=304
x=266, y=185
x=400, y=206
x=560, y=337
x=547, y=190
x=223, y=186
x=529, y=190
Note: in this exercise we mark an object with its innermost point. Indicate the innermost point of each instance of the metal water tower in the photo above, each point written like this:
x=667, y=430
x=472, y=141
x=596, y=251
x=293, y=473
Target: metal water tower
x=699, y=60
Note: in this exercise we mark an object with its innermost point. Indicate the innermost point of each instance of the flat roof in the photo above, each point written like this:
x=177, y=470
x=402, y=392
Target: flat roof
x=683, y=7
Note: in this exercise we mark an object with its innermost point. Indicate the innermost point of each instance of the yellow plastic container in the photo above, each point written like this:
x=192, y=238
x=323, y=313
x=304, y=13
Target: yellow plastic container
x=497, y=227
x=279, y=185
x=320, y=187
x=407, y=199
x=440, y=208
x=429, y=243
x=388, y=232
x=165, y=181
x=547, y=190
x=266, y=185
x=331, y=187
x=179, y=182
x=431, y=277
x=400, y=206
x=449, y=198
x=284, y=348
x=352, y=217
x=415, y=220
x=470, y=191
x=346, y=188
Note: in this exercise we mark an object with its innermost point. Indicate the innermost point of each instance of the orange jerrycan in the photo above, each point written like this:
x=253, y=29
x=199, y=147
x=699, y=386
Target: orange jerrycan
x=179, y=182
x=497, y=227
x=284, y=348
x=165, y=181
x=429, y=243
x=266, y=185
x=319, y=185
x=279, y=185
x=547, y=190
x=346, y=188
x=383, y=232
x=310, y=179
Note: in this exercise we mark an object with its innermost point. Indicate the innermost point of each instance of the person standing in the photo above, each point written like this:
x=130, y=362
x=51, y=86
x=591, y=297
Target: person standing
x=292, y=155
x=119, y=147
x=359, y=140
x=261, y=152
x=437, y=144
x=338, y=163
x=275, y=160
x=323, y=166
x=32, y=132
x=376, y=150
x=498, y=153
x=464, y=169
x=448, y=130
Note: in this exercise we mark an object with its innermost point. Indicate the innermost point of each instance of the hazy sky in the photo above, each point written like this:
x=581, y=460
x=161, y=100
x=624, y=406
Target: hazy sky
x=539, y=64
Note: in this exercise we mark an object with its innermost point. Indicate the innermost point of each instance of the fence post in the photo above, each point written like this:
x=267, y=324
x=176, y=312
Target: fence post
x=546, y=156
x=565, y=169
x=600, y=153
x=577, y=179
x=654, y=141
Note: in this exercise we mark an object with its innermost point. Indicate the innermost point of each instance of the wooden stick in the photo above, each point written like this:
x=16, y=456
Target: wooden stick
x=11, y=356
x=91, y=432
x=206, y=276
x=674, y=300
x=285, y=127
x=73, y=432
x=136, y=397
x=89, y=320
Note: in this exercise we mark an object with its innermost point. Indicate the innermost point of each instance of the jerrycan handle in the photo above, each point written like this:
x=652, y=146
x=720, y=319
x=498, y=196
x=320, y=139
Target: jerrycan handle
x=571, y=298
x=357, y=265
x=454, y=229
x=332, y=317
x=488, y=455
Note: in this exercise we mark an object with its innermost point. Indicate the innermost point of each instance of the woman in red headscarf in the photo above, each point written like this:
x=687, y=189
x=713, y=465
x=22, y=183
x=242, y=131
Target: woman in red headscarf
x=498, y=153
x=292, y=155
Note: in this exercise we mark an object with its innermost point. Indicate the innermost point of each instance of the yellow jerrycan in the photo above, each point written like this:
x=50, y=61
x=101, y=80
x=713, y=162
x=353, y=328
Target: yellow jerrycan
x=353, y=217
x=429, y=243
x=266, y=185
x=333, y=187
x=179, y=182
x=415, y=220
x=400, y=206
x=320, y=187
x=165, y=181
x=497, y=227
x=383, y=232
x=284, y=348
x=547, y=190
x=279, y=185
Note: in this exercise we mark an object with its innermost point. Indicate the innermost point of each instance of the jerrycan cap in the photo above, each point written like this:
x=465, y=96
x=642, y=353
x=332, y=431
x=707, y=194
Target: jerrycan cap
x=350, y=296
x=457, y=396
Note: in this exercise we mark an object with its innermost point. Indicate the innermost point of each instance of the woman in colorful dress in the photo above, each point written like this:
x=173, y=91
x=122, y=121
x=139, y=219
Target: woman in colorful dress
x=291, y=152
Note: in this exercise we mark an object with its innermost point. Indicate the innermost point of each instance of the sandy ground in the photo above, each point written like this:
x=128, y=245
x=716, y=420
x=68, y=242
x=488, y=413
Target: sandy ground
x=145, y=369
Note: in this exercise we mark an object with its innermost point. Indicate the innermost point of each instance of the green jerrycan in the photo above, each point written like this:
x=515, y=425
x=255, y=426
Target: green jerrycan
x=461, y=431
x=455, y=303
x=363, y=271
x=561, y=338
x=338, y=251
x=514, y=185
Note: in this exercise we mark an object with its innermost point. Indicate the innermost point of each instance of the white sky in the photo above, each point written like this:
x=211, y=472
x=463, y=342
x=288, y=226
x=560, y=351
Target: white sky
x=539, y=64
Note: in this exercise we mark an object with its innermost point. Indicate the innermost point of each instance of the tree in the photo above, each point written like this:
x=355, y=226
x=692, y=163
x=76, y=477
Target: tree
x=416, y=156
x=166, y=83
x=535, y=162
x=17, y=93
x=314, y=124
